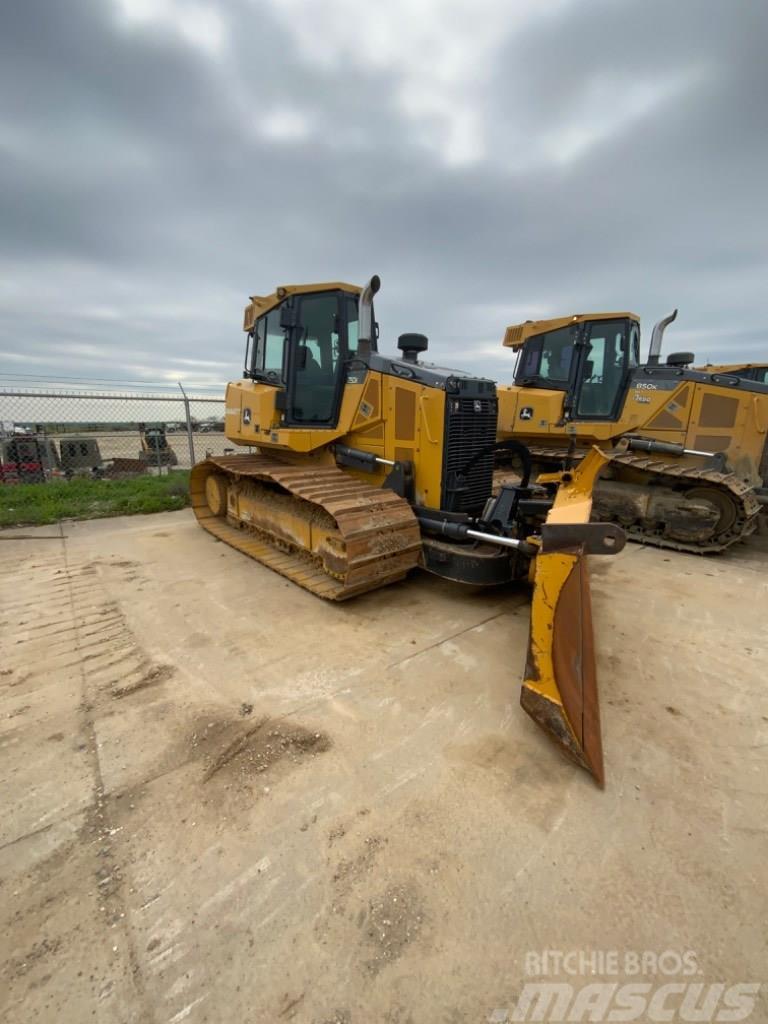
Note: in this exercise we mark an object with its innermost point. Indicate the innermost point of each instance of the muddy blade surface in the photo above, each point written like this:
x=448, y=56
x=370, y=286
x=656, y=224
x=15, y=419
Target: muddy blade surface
x=560, y=686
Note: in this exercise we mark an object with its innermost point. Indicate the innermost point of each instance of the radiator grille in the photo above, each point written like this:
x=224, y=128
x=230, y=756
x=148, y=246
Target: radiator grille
x=470, y=426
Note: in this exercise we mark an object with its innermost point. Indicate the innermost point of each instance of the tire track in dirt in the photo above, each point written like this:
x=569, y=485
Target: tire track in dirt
x=61, y=627
x=108, y=873
x=68, y=634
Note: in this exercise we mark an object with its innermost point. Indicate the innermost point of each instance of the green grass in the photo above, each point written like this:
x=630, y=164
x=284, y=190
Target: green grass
x=41, y=504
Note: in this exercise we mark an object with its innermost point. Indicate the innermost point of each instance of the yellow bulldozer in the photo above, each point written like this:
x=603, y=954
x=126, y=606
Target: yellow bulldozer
x=155, y=450
x=688, y=453
x=363, y=466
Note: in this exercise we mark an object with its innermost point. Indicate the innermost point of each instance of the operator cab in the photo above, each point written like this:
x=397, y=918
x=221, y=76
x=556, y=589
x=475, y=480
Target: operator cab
x=155, y=437
x=587, y=357
x=303, y=345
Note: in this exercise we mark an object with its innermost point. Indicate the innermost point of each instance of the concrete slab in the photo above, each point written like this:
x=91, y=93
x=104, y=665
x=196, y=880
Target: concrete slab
x=227, y=800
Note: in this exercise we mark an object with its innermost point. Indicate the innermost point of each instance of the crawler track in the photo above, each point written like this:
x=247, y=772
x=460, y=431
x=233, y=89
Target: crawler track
x=675, y=477
x=322, y=528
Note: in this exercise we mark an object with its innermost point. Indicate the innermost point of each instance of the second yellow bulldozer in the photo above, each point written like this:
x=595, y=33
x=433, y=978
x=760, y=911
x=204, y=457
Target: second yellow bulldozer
x=688, y=453
x=363, y=466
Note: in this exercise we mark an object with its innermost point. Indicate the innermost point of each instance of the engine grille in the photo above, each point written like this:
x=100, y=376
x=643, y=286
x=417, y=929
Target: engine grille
x=470, y=425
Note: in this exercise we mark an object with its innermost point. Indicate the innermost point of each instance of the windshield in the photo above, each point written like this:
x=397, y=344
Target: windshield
x=267, y=349
x=547, y=358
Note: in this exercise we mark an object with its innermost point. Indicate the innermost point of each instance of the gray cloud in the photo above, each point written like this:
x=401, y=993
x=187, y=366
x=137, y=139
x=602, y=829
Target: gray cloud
x=590, y=155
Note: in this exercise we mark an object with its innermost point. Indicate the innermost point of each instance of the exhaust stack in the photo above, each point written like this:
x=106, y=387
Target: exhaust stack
x=657, y=337
x=365, y=316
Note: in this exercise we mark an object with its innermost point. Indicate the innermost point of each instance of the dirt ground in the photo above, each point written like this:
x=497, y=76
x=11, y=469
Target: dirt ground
x=227, y=801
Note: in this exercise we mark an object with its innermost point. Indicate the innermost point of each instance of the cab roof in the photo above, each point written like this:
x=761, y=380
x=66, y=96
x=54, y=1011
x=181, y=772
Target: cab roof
x=518, y=334
x=261, y=304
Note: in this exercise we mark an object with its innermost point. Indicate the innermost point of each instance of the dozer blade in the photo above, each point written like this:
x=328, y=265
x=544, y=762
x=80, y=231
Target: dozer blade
x=560, y=685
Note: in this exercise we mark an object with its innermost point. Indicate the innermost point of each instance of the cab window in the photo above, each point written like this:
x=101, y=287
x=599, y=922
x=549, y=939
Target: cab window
x=269, y=345
x=634, y=345
x=546, y=360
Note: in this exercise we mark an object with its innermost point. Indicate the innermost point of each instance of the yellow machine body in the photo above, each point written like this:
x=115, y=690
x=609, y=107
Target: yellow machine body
x=358, y=467
x=579, y=382
x=699, y=414
x=392, y=418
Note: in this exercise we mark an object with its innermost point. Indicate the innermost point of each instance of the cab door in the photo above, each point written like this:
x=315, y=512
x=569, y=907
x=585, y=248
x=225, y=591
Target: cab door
x=606, y=352
x=318, y=352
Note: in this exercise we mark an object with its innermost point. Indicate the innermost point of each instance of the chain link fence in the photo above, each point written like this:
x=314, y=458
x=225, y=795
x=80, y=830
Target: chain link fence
x=53, y=432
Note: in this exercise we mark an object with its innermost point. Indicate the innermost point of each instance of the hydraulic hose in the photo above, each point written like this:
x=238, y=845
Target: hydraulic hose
x=517, y=447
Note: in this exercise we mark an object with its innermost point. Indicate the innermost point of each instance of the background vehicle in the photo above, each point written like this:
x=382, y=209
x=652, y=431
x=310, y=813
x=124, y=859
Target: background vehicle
x=155, y=450
x=81, y=456
x=23, y=458
x=690, y=454
x=368, y=466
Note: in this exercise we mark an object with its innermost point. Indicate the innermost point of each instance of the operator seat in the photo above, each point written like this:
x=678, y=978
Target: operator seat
x=308, y=363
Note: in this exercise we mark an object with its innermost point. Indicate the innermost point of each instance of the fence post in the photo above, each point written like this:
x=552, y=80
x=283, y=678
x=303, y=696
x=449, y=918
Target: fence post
x=189, y=427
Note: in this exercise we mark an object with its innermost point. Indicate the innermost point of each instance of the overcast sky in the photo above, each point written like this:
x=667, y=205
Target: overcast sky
x=492, y=160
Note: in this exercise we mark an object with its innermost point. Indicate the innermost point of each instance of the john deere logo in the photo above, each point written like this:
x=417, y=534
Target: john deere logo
x=246, y=417
x=526, y=413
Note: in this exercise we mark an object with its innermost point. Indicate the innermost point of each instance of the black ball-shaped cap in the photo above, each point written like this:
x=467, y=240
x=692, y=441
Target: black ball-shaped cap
x=680, y=358
x=413, y=342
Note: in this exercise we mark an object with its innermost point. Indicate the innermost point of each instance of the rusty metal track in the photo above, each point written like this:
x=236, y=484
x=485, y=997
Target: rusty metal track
x=675, y=476
x=372, y=537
